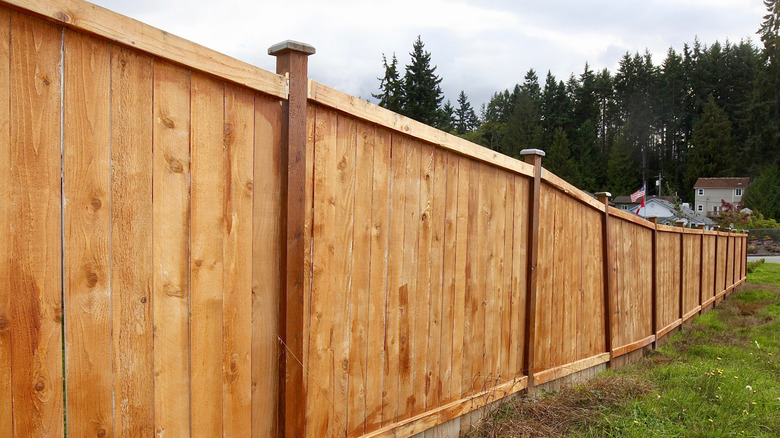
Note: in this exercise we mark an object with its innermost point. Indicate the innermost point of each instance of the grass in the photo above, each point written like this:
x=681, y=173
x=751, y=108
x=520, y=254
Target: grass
x=719, y=377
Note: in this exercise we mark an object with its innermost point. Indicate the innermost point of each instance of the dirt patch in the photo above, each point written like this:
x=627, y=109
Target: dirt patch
x=556, y=413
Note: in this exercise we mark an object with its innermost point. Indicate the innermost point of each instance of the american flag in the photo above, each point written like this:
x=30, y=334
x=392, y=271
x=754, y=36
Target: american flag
x=638, y=194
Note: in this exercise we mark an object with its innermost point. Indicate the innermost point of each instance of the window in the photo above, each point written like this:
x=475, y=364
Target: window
x=699, y=207
x=701, y=192
x=715, y=209
x=738, y=192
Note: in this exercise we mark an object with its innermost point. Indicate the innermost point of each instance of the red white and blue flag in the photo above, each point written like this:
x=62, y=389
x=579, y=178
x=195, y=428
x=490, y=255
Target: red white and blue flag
x=638, y=194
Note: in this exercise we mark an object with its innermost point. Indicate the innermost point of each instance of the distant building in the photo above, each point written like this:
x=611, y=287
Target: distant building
x=669, y=214
x=710, y=191
x=624, y=203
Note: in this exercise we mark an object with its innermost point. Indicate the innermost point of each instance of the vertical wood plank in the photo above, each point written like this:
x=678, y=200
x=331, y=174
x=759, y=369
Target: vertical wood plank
x=505, y=372
x=6, y=397
x=238, y=140
x=87, y=239
x=35, y=228
x=132, y=269
x=266, y=277
x=207, y=237
x=460, y=312
x=449, y=275
x=390, y=409
x=434, y=359
x=535, y=203
x=361, y=287
x=422, y=291
x=471, y=296
x=486, y=228
x=408, y=297
x=341, y=284
x=376, y=355
x=519, y=275
x=171, y=225
x=321, y=384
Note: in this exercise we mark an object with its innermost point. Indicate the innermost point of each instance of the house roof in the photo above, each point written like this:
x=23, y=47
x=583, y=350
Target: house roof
x=721, y=183
x=683, y=213
x=623, y=200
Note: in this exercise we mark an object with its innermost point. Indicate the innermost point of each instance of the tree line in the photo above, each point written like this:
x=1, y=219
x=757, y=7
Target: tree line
x=706, y=111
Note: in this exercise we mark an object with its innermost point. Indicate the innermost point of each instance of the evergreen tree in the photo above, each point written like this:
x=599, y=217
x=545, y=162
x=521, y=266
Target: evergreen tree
x=422, y=93
x=391, y=91
x=559, y=160
x=464, y=117
x=711, y=148
x=447, y=117
x=763, y=194
x=622, y=176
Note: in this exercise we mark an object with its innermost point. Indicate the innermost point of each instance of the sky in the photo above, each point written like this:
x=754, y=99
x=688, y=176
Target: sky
x=479, y=47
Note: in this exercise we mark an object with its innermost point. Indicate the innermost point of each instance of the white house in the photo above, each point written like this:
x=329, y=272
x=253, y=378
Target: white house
x=710, y=191
x=668, y=214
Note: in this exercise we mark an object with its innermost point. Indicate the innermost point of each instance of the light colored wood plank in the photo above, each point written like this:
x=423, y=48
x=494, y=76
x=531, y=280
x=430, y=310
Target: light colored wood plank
x=570, y=368
x=471, y=298
x=449, y=275
x=495, y=289
x=626, y=216
x=207, y=238
x=170, y=300
x=560, y=290
x=238, y=139
x=445, y=413
x=571, y=191
x=434, y=359
x=36, y=228
x=342, y=179
x=460, y=313
x=390, y=407
x=544, y=301
x=505, y=352
x=485, y=228
x=376, y=355
x=6, y=397
x=519, y=276
x=84, y=16
x=422, y=295
x=361, y=288
x=132, y=269
x=367, y=111
x=321, y=379
x=625, y=349
x=87, y=239
x=266, y=254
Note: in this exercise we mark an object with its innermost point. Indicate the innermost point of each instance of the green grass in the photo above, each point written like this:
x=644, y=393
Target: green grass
x=719, y=377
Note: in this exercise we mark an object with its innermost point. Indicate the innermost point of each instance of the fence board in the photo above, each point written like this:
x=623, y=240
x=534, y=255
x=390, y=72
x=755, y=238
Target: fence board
x=86, y=187
x=171, y=249
x=544, y=301
x=471, y=297
x=691, y=269
x=132, y=269
x=361, y=288
x=450, y=324
x=238, y=138
x=519, y=273
x=6, y=397
x=460, y=312
x=421, y=294
x=434, y=358
x=376, y=354
x=266, y=254
x=505, y=373
x=35, y=228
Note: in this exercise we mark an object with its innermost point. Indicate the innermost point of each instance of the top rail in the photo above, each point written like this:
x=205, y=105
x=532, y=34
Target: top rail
x=92, y=19
x=343, y=102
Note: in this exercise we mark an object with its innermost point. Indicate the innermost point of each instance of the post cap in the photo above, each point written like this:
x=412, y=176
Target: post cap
x=701, y=226
x=532, y=152
x=680, y=222
x=291, y=46
x=653, y=219
x=603, y=194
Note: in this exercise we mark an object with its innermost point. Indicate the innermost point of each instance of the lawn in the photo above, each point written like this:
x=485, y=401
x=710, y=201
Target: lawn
x=719, y=377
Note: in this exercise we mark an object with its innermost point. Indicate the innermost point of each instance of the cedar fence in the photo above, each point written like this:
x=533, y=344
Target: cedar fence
x=197, y=247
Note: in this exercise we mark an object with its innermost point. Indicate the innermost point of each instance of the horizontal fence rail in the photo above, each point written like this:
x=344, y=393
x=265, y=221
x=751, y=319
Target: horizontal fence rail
x=197, y=247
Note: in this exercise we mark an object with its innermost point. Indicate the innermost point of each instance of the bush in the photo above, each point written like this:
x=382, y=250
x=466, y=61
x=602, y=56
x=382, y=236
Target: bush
x=751, y=266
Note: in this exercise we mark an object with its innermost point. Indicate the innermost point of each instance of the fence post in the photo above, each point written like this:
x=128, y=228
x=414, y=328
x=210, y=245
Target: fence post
x=533, y=157
x=715, y=281
x=681, y=224
x=608, y=275
x=654, y=283
x=292, y=60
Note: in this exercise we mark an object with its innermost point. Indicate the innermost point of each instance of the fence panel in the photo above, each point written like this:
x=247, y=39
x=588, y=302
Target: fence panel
x=709, y=259
x=692, y=272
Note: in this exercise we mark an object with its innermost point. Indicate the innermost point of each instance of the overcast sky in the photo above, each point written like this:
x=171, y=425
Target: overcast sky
x=479, y=46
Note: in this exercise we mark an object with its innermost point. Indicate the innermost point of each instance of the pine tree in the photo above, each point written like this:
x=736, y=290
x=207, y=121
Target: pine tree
x=710, y=154
x=464, y=117
x=422, y=93
x=391, y=92
x=559, y=160
x=447, y=119
x=622, y=176
x=763, y=194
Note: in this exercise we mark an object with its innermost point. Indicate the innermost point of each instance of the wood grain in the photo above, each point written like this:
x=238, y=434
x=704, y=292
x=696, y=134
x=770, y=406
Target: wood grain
x=6, y=397
x=36, y=228
x=266, y=258
x=238, y=140
x=171, y=225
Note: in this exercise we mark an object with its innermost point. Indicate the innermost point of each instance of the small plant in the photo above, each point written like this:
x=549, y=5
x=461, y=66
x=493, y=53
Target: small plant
x=751, y=266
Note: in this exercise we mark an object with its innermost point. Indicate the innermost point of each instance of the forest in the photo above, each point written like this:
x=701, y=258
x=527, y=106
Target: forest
x=707, y=110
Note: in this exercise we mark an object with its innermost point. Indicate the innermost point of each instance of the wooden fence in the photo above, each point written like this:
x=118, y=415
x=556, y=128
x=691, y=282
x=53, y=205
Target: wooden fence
x=197, y=247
